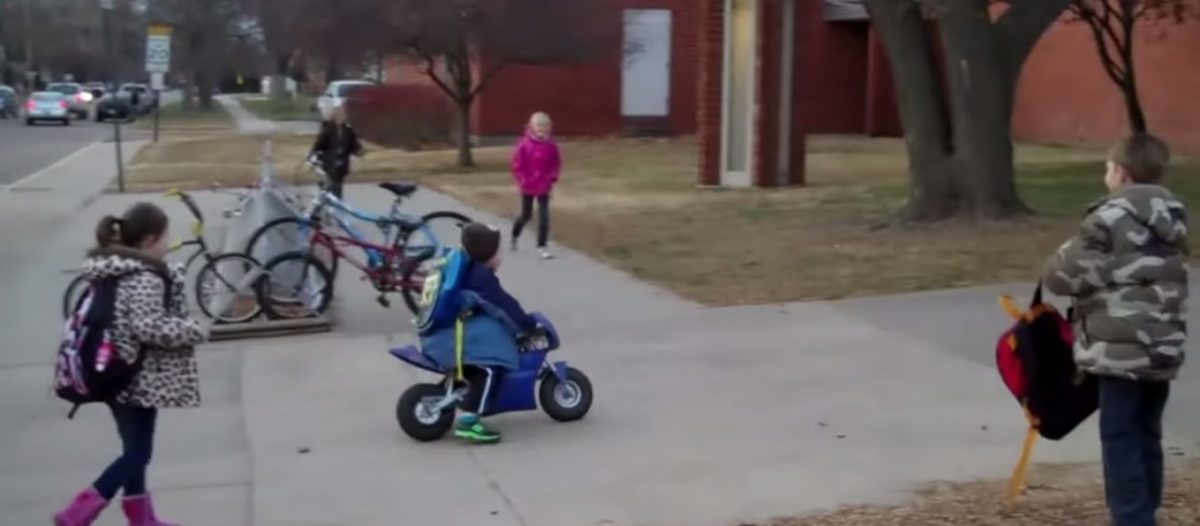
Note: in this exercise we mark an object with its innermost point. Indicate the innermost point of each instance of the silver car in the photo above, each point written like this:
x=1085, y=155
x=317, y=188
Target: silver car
x=47, y=106
x=78, y=99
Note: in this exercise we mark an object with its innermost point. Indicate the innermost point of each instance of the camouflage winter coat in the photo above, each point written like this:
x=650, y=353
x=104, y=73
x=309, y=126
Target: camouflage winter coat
x=1127, y=274
x=144, y=323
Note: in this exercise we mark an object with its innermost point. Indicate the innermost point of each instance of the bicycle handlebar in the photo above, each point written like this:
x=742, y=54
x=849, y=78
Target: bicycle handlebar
x=187, y=201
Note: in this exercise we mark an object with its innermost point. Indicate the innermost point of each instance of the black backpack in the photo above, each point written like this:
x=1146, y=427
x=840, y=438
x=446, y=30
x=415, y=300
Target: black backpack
x=89, y=367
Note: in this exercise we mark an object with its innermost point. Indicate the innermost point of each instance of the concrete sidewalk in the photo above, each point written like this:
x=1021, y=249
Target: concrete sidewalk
x=249, y=123
x=702, y=416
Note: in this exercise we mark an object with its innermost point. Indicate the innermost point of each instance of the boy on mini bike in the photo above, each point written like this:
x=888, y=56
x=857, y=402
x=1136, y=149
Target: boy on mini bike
x=491, y=322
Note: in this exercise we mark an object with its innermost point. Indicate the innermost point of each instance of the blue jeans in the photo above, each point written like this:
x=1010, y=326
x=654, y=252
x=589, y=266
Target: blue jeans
x=128, y=471
x=1131, y=416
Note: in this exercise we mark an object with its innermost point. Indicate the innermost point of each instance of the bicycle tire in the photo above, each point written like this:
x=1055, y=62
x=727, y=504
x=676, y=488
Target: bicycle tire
x=422, y=252
x=410, y=287
x=276, y=307
x=322, y=253
x=71, y=294
x=236, y=284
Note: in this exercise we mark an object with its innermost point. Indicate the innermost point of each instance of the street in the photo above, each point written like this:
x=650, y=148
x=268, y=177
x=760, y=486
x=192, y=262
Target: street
x=24, y=150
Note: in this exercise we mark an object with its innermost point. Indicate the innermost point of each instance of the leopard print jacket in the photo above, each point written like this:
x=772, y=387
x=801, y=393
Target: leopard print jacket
x=169, y=376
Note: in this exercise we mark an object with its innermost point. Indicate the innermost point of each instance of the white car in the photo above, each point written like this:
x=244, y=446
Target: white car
x=337, y=92
x=78, y=99
x=47, y=106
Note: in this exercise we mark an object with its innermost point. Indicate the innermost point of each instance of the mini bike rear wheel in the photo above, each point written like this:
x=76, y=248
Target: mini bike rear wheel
x=569, y=400
x=416, y=416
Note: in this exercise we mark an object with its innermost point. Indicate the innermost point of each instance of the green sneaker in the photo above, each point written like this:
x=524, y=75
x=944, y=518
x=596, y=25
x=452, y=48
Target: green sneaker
x=475, y=431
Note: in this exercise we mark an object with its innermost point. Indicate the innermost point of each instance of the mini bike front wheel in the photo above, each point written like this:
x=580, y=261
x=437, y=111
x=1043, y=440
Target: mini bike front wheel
x=566, y=400
x=416, y=416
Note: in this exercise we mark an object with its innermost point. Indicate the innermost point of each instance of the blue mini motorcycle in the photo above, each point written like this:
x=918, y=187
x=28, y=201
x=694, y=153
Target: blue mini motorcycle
x=426, y=411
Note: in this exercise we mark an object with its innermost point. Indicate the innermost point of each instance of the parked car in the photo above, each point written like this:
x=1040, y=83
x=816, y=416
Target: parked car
x=48, y=106
x=337, y=92
x=97, y=89
x=112, y=107
x=8, y=102
x=140, y=97
x=78, y=99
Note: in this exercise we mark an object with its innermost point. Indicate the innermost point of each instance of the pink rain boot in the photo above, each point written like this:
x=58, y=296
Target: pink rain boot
x=83, y=510
x=139, y=509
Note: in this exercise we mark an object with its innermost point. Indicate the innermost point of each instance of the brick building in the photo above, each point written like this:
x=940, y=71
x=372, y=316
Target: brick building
x=752, y=78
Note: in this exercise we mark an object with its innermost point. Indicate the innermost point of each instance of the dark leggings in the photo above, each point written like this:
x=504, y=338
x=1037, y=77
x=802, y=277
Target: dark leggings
x=483, y=384
x=527, y=213
x=128, y=471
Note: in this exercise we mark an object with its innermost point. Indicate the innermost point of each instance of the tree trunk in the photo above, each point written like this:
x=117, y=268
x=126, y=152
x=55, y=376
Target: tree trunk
x=981, y=100
x=279, y=91
x=204, y=91
x=465, y=157
x=959, y=144
x=1133, y=108
x=933, y=194
x=1129, y=88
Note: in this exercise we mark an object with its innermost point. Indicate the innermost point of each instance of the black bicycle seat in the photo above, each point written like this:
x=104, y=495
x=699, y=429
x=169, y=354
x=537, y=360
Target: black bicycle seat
x=400, y=189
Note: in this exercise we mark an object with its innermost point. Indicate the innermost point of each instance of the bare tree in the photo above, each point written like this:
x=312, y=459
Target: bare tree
x=464, y=44
x=958, y=134
x=203, y=33
x=1112, y=24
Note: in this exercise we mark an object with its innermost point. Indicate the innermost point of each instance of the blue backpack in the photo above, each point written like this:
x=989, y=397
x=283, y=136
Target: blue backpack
x=441, y=297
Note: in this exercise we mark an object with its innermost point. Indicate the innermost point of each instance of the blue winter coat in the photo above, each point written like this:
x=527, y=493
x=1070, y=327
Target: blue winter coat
x=489, y=338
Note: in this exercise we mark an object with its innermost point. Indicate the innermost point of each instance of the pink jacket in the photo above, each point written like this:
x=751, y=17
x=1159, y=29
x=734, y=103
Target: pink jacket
x=536, y=165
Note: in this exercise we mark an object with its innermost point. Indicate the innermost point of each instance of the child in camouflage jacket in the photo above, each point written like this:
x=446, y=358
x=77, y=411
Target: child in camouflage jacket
x=1126, y=273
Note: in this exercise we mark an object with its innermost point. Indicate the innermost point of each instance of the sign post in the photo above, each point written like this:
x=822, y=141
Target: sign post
x=107, y=7
x=158, y=63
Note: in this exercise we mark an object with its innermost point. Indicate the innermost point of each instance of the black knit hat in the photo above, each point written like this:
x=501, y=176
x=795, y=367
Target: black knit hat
x=480, y=242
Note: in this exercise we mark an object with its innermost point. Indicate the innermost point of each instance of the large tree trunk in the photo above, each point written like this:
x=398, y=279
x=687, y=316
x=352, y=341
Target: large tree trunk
x=933, y=192
x=981, y=101
x=959, y=138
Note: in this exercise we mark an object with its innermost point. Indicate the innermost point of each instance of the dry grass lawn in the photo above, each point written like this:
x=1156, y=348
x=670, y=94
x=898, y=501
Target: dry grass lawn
x=1070, y=495
x=174, y=121
x=633, y=203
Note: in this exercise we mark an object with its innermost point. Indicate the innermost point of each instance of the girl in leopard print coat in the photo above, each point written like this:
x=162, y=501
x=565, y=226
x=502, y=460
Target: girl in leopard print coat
x=148, y=321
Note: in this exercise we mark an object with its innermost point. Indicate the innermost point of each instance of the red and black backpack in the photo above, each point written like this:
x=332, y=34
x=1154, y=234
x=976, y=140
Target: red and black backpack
x=1036, y=362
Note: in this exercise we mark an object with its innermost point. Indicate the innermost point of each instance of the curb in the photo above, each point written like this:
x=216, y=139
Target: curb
x=273, y=328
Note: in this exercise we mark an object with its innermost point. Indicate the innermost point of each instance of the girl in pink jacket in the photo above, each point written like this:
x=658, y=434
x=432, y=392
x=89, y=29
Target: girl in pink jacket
x=536, y=166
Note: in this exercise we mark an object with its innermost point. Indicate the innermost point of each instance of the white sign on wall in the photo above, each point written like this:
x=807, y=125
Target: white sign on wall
x=158, y=49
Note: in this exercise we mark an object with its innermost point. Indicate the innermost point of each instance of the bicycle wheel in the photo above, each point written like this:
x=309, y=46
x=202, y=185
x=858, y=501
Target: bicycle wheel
x=437, y=230
x=75, y=290
x=296, y=285
x=226, y=288
x=288, y=234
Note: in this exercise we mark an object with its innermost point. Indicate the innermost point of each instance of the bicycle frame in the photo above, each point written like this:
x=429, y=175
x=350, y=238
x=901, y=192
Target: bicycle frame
x=342, y=211
x=382, y=271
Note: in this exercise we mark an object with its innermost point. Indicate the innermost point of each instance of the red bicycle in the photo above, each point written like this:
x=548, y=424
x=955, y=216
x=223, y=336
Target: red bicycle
x=300, y=284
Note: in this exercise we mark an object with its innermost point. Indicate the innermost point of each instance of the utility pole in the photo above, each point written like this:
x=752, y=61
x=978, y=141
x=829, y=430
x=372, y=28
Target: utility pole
x=27, y=38
x=106, y=7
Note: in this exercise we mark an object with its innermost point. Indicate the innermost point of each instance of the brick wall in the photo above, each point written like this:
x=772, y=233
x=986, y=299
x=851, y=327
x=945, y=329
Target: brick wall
x=586, y=99
x=710, y=26
x=1092, y=111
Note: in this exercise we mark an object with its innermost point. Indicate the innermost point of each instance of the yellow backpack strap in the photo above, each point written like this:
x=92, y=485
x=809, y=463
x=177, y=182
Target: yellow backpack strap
x=1017, y=484
x=1010, y=306
x=459, y=328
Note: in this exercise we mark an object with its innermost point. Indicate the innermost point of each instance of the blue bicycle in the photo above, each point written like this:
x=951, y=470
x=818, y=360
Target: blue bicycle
x=407, y=241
